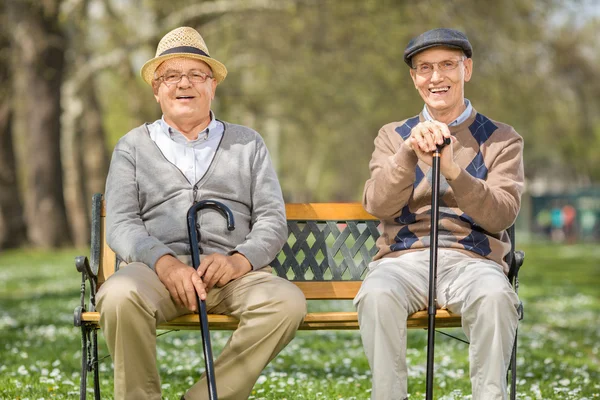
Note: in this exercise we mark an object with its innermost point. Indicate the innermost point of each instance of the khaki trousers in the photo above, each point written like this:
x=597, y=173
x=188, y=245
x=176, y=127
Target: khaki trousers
x=133, y=301
x=474, y=288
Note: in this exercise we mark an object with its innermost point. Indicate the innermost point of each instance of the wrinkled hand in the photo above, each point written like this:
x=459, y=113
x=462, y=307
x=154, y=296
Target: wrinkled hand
x=218, y=270
x=424, y=138
x=181, y=280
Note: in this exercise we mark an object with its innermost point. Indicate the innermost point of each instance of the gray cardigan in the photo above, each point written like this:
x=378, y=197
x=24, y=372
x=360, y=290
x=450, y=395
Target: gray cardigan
x=147, y=199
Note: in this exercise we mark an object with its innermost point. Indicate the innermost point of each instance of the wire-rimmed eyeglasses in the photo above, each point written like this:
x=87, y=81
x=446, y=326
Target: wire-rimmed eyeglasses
x=173, y=77
x=428, y=68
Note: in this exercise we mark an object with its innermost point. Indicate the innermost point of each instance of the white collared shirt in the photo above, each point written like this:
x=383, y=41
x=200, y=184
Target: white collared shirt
x=461, y=118
x=192, y=157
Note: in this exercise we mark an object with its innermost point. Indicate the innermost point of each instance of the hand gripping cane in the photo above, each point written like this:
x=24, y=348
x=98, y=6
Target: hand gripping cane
x=433, y=250
x=194, y=236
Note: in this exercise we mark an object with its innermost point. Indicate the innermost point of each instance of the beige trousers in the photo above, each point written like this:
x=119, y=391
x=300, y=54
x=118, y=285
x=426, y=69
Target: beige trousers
x=133, y=302
x=474, y=288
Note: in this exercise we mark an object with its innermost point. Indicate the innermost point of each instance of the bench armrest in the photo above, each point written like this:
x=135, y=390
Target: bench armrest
x=83, y=266
x=87, y=276
x=517, y=260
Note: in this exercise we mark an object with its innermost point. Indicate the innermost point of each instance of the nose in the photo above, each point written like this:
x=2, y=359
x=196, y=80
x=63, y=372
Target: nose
x=436, y=75
x=181, y=84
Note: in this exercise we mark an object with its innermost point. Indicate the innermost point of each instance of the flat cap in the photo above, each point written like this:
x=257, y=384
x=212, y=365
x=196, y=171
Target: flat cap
x=437, y=37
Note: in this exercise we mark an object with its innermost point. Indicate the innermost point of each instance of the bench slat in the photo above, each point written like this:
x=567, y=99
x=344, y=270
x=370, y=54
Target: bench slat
x=327, y=212
x=312, y=321
x=317, y=212
x=329, y=290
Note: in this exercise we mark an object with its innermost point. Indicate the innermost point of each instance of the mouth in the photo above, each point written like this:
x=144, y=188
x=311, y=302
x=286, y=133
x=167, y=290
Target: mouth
x=439, y=90
x=183, y=97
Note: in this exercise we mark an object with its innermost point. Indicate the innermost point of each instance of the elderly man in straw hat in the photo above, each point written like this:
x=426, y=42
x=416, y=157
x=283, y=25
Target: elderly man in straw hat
x=480, y=190
x=157, y=172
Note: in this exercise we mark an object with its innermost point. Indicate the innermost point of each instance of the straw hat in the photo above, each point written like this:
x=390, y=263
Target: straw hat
x=182, y=42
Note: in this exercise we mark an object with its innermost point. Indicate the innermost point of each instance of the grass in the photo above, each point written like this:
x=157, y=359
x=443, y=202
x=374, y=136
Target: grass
x=559, y=345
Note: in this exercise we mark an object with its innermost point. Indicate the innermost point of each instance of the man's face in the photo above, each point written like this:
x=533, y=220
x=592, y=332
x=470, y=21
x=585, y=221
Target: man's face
x=442, y=90
x=184, y=101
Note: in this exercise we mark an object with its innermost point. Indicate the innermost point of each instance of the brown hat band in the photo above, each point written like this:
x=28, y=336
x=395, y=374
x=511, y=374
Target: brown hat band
x=184, y=49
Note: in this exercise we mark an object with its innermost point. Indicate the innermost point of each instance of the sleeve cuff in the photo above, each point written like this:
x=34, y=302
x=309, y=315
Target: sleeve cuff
x=256, y=259
x=151, y=256
x=461, y=182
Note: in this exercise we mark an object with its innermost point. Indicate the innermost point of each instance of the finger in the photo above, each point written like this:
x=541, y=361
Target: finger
x=438, y=133
x=417, y=147
x=444, y=131
x=176, y=299
x=190, y=293
x=215, y=271
x=179, y=295
x=418, y=139
x=199, y=286
x=209, y=273
x=219, y=275
x=224, y=279
x=429, y=136
x=204, y=264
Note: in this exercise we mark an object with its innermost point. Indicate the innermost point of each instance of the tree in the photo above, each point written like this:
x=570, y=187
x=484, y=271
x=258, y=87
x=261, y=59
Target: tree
x=84, y=154
x=12, y=224
x=317, y=78
x=40, y=46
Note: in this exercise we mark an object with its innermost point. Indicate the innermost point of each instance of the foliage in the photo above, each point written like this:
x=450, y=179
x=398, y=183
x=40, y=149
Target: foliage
x=321, y=79
x=318, y=78
x=558, y=356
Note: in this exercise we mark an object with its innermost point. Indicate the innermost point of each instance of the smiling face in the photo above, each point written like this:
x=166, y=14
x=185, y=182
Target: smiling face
x=442, y=91
x=184, y=104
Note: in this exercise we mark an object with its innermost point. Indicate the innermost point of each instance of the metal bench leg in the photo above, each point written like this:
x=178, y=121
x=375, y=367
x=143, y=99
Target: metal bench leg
x=513, y=369
x=84, y=362
x=94, y=364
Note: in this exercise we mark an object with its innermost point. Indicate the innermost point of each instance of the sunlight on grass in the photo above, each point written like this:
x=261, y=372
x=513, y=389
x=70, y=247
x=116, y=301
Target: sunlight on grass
x=559, y=340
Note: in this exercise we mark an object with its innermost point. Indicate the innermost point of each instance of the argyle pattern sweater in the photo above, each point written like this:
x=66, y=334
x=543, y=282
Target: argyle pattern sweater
x=476, y=208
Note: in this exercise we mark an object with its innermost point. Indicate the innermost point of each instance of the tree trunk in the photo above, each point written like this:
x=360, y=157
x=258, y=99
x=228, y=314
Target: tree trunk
x=85, y=155
x=72, y=163
x=40, y=45
x=12, y=223
x=93, y=144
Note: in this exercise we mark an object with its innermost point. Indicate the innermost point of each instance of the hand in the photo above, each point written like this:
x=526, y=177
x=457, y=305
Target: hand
x=423, y=140
x=181, y=280
x=218, y=270
x=426, y=135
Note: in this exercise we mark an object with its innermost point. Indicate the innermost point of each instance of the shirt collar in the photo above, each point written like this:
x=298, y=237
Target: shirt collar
x=461, y=118
x=203, y=135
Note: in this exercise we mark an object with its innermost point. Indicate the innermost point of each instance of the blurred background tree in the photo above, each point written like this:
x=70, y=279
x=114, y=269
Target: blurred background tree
x=317, y=78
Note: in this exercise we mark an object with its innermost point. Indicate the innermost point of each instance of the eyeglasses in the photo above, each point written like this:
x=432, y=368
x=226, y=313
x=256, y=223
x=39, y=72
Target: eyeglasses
x=173, y=77
x=427, y=68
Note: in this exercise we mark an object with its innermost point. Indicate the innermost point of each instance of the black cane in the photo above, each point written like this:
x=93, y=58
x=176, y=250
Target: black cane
x=433, y=250
x=194, y=236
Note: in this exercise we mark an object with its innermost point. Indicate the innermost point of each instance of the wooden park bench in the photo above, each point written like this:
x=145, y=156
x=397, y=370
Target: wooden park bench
x=327, y=253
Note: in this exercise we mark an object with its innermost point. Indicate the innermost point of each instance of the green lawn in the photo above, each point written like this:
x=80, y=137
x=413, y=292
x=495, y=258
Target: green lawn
x=559, y=353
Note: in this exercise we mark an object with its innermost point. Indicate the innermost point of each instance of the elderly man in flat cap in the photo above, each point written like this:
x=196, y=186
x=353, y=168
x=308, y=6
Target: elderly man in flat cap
x=480, y=192
x=158, y=170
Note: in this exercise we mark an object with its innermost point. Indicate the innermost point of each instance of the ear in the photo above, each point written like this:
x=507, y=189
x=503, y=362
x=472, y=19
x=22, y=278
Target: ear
x=213, y=88
x=413, y=75
x=468, y=65
x=155, y=87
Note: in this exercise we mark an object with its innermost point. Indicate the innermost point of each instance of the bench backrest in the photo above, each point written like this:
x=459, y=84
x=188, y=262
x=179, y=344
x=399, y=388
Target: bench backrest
x=327, y=253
